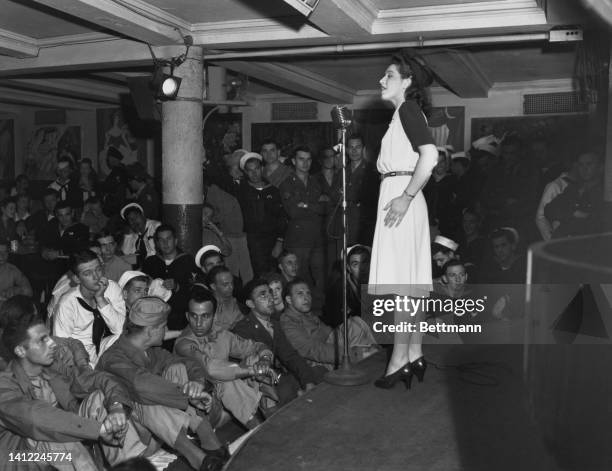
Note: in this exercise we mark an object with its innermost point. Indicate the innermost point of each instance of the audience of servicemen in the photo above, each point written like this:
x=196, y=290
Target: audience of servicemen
x=117, y=344
x=239, y=385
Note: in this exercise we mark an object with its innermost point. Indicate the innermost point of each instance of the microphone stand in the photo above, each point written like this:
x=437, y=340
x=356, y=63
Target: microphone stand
x=346, y=374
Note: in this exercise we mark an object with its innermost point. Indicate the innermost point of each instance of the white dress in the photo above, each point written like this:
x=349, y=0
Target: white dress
x=401, y=256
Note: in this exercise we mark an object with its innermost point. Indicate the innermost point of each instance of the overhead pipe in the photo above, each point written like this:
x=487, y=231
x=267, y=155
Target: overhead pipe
x=348, y=48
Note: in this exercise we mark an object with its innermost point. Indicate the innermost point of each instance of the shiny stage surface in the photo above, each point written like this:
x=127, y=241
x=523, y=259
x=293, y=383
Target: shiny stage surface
x=446, y=423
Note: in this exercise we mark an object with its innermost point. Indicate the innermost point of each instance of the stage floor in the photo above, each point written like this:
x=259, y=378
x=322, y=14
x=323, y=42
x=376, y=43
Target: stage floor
x=468, y=419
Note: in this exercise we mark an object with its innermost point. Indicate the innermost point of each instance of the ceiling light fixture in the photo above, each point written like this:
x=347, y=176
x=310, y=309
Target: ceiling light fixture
x=170, y=86
x=166, y=86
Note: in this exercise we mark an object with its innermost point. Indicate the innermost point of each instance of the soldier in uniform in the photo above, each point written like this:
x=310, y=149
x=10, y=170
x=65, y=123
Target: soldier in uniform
x=362, y=183
x=274, y=171
x=303, y=200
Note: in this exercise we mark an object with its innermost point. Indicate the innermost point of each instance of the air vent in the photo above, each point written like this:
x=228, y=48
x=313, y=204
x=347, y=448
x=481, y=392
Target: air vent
x=563, y=102
x=294, y=111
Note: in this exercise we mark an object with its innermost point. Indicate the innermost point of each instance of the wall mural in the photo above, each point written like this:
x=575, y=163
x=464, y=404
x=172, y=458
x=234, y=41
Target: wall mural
x=447, y=126
x=48, y=144
x=113, y=130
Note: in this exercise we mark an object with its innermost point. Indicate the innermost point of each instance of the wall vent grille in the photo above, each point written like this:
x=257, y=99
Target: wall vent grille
x=561, y=102
x=294, y=111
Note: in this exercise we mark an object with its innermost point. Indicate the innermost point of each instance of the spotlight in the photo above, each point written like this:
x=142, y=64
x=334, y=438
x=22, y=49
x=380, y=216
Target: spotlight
x=170, y=87
x=165, y=86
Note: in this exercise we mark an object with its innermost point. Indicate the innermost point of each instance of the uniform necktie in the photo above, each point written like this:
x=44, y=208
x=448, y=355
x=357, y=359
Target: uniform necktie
x=141, y=250
x=100, y=329
x=63, y=191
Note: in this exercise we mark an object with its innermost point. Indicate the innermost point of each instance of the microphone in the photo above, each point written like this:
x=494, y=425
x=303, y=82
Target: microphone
x=341, y=117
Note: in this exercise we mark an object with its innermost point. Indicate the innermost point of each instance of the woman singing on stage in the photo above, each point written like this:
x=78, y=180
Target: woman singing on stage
x=401, y=258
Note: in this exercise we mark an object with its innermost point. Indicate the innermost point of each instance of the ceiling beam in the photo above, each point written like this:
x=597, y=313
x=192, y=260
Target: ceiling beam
x=344, y=18
x=260, y=33
x=295, y=79
x=103, y=55
x=81, y=38
x=17, y=45
x=110, y=77
x=132, y=18
x=43, y=100
x=117, y=79
x=461, y=72
x=87, y=90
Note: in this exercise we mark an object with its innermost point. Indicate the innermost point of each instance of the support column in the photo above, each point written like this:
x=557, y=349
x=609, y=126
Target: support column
x=608, y=154
x=607, y=216
x=182, y=154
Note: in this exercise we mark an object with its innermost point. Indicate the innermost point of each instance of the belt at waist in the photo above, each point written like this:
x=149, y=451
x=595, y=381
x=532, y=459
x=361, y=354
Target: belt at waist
x=397, y=174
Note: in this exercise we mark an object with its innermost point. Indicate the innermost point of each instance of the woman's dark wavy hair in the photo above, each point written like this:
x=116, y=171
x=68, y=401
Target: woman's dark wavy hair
x=410, y=64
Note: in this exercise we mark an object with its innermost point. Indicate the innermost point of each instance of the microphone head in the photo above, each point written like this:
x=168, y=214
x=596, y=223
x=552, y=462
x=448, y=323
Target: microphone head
x=340, y=116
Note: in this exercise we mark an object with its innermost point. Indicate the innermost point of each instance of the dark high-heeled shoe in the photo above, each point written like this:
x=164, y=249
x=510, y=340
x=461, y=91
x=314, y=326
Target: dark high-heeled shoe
x=418, y=368
x=388, y=381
